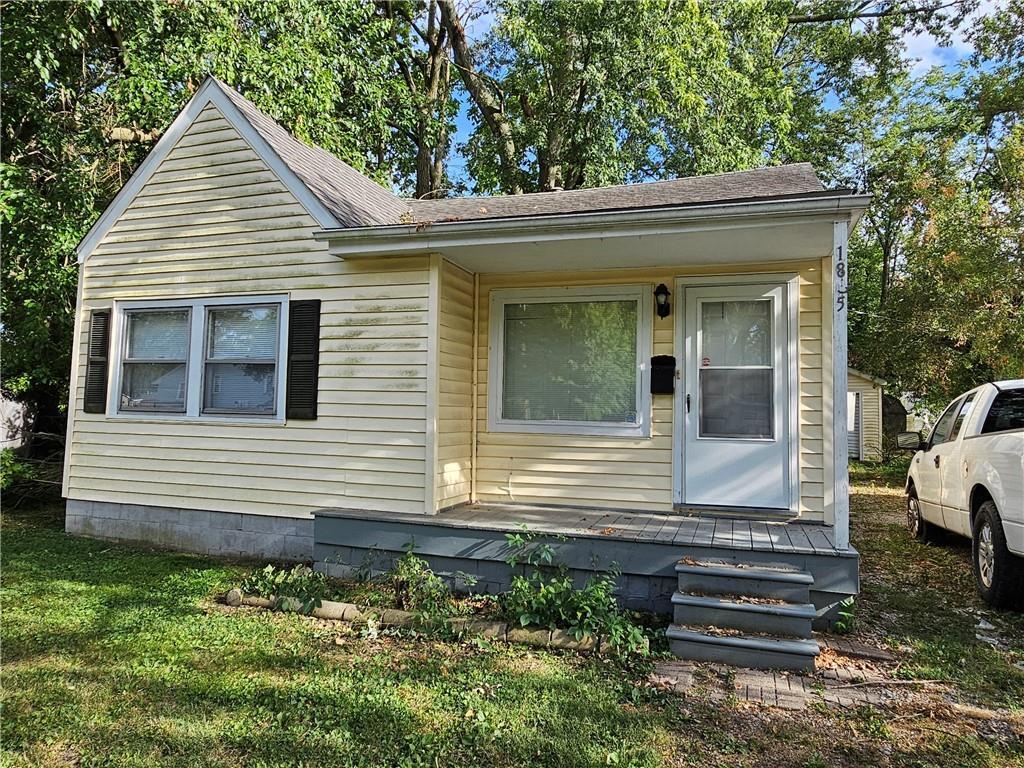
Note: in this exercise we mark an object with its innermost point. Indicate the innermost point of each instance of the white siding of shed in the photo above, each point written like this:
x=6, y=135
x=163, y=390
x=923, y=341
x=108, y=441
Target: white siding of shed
x=870, y=397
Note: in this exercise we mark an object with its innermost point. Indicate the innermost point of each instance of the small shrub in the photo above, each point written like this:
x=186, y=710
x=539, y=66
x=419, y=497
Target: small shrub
x=13, y=470
x=547, y=597
x=846, y=618
x=418, y=588
x=301, y=584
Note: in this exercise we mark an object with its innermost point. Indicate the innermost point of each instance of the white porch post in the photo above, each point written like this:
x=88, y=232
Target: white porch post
x=840, y=448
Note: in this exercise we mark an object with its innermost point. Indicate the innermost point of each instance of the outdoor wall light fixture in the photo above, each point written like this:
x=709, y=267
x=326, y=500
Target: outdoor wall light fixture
x=661, y=295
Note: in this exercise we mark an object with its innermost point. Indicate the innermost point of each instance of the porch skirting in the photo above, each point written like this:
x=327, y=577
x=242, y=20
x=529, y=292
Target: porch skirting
x=227, y=534
x=643, y=547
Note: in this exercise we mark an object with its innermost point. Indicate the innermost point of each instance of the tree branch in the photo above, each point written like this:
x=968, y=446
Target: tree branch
x=892, y=10
x=482, y=96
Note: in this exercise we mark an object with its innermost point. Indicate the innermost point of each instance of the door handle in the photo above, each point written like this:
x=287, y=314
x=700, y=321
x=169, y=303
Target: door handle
x=936, y=460
x=687, y=403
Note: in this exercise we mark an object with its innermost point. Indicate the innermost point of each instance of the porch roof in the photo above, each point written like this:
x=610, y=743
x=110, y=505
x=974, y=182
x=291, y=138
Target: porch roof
x=777, y=229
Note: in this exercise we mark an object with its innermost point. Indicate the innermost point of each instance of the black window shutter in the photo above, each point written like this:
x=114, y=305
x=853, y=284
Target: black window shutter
x=98, y=362
x=303, y=359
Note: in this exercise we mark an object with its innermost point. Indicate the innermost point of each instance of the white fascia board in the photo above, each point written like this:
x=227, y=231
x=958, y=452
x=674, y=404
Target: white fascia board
x=209, y=93
x=369, y=241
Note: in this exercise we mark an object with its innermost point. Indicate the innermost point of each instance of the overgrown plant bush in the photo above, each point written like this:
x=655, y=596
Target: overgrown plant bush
x=299, y=586
x=418, y=588
x=546, y=596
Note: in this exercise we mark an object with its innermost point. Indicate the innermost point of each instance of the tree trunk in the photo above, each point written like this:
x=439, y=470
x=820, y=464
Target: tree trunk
x=483, y=97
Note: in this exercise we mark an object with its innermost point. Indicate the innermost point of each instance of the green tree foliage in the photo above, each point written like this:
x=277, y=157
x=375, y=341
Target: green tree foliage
x=583, y=93
x=561, y=94
x=937, y=276
x=88, y=86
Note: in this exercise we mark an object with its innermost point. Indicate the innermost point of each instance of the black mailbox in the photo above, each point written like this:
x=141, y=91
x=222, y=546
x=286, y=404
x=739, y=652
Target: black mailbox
x=663, y=375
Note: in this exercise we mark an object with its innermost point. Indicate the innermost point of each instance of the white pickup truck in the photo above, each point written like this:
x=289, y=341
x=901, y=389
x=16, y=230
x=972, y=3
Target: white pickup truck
x=968, y=478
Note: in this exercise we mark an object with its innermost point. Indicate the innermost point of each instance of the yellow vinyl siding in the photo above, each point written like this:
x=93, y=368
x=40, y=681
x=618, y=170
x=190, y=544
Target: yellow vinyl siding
x=629, y=472
x=870, y=415
x=214, y=221
x=454, y=398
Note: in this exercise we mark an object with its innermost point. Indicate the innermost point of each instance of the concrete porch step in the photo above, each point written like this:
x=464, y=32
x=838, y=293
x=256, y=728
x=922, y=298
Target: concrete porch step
x=777, y=618
x=751, y=651
x=709, y=577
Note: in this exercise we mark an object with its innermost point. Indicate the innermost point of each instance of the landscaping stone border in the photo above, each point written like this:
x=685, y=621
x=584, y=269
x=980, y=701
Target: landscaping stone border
x=460, y=625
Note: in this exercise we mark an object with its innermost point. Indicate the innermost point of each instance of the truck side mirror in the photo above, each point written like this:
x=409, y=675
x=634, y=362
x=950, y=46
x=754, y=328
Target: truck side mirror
x=910, y=441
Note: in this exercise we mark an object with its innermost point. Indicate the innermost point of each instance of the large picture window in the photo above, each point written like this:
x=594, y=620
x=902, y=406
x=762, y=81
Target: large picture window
x=570, y=361
x=204, y=357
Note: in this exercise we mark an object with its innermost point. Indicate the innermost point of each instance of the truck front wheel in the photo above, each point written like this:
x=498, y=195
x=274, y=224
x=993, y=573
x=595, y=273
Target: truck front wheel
x=917, y=526
x=998, y=574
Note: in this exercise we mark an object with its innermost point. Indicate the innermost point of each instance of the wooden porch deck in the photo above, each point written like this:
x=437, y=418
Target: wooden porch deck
x=679, y=530
x=627, y=526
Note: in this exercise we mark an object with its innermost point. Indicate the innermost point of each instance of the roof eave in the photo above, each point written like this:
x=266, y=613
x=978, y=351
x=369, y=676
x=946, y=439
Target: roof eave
x=417, y=236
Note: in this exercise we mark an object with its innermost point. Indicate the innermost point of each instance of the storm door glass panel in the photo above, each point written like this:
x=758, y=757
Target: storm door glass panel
x=570, y=361
x=737, y=378
x=153, y=371
x=241, y=360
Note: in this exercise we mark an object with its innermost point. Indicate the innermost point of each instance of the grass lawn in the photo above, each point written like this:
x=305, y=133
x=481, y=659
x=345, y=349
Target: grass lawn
x=121, y=656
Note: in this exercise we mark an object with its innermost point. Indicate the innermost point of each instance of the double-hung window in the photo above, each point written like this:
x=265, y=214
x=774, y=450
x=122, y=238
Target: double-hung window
x=155, y=366
x=217, y=358
x=240, y=369
x=570, y=361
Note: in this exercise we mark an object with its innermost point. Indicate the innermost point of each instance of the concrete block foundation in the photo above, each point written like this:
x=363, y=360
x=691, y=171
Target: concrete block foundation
x=227, y=534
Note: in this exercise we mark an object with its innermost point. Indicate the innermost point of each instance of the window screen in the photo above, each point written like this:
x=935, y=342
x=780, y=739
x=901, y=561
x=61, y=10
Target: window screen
x=155, y=360
x=571, y=361
x=241, y=360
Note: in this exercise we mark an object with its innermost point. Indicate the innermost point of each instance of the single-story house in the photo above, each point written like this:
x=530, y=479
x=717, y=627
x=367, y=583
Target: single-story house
x=275, y=356
x=864, y=415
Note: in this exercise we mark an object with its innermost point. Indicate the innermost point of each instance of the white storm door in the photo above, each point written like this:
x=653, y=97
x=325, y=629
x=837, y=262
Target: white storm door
x=736, y=443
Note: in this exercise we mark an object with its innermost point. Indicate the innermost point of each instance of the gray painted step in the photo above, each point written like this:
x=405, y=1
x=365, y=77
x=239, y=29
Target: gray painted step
x=742, y=650
x=793, y=619
x=711, y=578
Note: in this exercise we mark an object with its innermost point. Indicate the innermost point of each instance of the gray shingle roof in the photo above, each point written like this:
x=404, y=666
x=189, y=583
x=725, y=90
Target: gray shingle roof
x=796, y=179
x=357, y=201
x=353, y=199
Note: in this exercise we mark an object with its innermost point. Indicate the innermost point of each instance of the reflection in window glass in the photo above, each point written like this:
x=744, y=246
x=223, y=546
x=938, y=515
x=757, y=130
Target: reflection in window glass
x=241, y=360
x=154, y=367
x=736, y=374
x=962, y=415
x=940, y=434
x=1007, y=412
x=570, y=361
x=736, y=333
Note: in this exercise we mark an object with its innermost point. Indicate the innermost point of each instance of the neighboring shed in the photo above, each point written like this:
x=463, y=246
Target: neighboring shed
x=12, y=423
x=864, y=415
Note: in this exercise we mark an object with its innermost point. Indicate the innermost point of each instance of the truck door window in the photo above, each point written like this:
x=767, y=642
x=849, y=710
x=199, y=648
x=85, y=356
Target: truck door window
x=1007, y=412
x=940, y=433
x=963, y=412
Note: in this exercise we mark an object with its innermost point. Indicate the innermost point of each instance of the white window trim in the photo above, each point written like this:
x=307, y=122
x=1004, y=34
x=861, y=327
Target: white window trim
x=195, y=367
x=642, y=294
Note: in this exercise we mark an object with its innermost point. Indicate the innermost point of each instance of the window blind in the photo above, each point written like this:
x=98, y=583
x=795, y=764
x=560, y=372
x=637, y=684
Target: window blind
x=570, y=361
x=241, y=365
x=243, y=333
x=156, y=353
